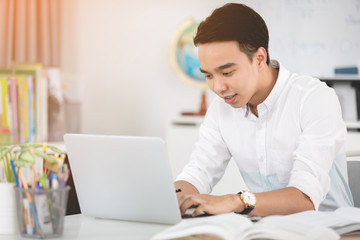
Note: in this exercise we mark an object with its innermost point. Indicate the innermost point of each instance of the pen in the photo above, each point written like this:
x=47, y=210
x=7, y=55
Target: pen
x=50, y=177
x=44, y=183
x=14, y=172
x=27, y=216
x=28, y=196
x=44, y=149
x=54, y=182
x=33, y=182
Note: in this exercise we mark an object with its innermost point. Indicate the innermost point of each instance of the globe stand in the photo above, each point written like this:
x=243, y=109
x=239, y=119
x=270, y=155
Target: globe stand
x=202, y=110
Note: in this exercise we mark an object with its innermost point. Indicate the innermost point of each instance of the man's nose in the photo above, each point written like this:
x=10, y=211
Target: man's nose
x=220, y=85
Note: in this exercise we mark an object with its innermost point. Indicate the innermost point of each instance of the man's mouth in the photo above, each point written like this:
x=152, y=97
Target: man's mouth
x=230, y=99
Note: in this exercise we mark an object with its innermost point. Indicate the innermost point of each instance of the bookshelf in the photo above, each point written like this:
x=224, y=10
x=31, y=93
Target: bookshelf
x=341, y=78
x=23, y=104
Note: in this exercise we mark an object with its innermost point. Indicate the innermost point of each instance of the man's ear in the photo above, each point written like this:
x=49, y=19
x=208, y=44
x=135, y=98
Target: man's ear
x=261, y=57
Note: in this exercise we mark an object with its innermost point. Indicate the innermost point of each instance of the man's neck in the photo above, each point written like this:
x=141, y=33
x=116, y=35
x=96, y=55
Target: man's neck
x=268, y=81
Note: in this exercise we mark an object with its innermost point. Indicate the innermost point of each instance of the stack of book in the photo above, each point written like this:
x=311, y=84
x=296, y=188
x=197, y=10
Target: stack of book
x=23, y=104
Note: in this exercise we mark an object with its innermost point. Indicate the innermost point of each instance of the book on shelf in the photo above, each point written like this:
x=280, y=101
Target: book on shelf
x=23, y=104
x=232, y=226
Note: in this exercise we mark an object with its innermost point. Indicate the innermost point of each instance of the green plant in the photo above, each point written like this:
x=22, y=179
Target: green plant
x=24, y=155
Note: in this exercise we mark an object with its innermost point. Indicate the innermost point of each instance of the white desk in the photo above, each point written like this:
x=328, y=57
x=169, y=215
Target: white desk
x=80, y=227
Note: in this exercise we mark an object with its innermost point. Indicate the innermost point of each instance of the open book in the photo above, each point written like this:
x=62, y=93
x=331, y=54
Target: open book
x=343, y=220
x=232, y=226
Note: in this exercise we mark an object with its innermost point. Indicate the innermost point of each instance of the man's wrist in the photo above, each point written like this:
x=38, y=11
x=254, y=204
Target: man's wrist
x=239, y=203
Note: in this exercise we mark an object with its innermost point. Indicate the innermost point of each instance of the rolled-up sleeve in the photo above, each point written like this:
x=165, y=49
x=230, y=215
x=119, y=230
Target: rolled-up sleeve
x=322, y=139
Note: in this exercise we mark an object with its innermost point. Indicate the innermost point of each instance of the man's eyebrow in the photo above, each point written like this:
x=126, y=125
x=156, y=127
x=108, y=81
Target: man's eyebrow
x=222, y=67
x=203, y=71
x=226, y=65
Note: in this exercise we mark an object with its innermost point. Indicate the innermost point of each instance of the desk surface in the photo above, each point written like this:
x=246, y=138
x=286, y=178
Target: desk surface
x=81, y=227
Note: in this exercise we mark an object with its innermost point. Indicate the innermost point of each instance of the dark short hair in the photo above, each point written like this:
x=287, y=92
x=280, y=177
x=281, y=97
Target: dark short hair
x=235, y=22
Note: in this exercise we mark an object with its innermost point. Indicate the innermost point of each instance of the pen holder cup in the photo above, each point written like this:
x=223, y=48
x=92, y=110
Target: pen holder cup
x=41, y=213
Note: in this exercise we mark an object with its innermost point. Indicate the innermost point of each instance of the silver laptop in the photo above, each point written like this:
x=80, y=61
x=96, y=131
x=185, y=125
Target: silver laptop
x=123, y=177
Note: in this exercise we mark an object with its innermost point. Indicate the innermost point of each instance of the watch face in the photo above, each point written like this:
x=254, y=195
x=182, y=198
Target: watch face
x=249, y=198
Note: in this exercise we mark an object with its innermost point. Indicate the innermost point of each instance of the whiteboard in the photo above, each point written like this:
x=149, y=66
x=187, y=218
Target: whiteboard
x=312, y=36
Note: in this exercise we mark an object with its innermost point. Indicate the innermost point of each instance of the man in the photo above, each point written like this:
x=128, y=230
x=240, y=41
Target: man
x=284, y=131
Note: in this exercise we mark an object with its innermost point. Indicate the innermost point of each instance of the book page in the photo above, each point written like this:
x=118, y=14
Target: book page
x=351, y=213
x=226, y=226
x=348, y=217
x=318, y=218
x=292, y=227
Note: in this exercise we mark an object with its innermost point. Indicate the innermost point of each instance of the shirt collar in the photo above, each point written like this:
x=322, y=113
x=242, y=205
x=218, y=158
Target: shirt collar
x=244, y=110
x=271, y=99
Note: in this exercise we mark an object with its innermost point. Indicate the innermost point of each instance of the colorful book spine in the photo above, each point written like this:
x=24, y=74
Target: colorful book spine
x=30, y=109
x=23, y=105
x=19, y=81
x=14, y=113
x=4, y=123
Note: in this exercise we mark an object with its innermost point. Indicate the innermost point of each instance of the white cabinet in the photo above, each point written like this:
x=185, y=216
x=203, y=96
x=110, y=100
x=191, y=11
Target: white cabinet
x=352, y=144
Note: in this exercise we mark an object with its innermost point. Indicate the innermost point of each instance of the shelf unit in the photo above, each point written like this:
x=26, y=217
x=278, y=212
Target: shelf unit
x=353, y=125
x=352, y=80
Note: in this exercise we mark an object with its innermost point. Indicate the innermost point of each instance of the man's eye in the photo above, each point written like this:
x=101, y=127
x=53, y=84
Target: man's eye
x=208, y=76
x=228, y=73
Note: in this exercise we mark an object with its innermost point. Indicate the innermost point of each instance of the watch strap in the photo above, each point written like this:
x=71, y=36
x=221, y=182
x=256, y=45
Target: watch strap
x=247, y=210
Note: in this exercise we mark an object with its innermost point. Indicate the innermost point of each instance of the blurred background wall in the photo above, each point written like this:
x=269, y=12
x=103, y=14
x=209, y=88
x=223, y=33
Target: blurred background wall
x=119, y=51
x=116, y=53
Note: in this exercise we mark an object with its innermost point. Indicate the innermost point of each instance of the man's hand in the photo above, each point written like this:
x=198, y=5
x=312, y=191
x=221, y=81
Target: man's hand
x=189, y=197
x=210, y=204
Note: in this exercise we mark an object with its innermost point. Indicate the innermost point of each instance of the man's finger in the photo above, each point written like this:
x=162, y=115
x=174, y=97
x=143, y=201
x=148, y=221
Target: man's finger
x=189, y=202
x=199, y=210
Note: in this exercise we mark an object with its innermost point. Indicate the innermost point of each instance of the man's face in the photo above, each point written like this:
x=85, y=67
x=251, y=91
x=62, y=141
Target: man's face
x=229, y=72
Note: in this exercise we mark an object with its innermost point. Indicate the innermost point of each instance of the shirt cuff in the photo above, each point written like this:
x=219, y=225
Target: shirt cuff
x=195, y=182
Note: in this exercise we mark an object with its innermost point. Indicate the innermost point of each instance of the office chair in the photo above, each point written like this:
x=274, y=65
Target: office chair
x=353, y=166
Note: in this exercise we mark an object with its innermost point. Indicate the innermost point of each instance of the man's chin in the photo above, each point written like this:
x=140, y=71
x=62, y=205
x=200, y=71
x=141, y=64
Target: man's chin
x=237, y=105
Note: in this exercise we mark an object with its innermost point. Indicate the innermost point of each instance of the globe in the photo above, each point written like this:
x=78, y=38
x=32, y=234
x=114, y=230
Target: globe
x=183, y=55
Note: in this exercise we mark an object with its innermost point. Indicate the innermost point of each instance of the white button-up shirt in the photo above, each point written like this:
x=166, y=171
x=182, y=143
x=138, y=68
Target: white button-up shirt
x=297, y=140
